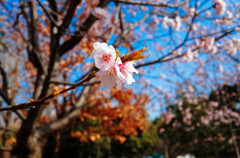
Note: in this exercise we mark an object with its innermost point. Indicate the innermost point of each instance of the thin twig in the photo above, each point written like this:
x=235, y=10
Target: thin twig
x=47, y=13
x=71, y=84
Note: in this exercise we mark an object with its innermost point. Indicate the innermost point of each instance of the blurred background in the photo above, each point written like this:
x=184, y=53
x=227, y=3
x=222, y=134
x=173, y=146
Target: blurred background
x=185, y=101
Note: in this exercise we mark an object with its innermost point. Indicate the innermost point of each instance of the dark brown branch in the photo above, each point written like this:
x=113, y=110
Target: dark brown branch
x=53, y=9
x=4, y=93
x=122, y=26
x=81, y=31
x=234, y=58
x=68, y=18
x=4, y=78
x=152, y=4
x=74, y=40
x=66, y=120
x=50, y=17
x=71, y=84
x=38, y=103
x=5, y=97
x=64, y=7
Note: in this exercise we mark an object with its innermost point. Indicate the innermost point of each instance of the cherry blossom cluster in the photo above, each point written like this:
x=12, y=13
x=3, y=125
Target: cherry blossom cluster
x=111, y=69
x=220, y=6
x=207, y=45
x=174, y=23
x=232, y=46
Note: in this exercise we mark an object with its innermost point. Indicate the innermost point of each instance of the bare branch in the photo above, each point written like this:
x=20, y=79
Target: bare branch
x=38, y=103
x=71, y=84
x=163, y=58
x=115, y=23
x=68, y=18
x=122, y=26
x=4, y=94
x=234, y=58
x=47, y=13
x=4, y=77
x=33, y=50
x=66, y=120
x=81, y=31
x=126, y=31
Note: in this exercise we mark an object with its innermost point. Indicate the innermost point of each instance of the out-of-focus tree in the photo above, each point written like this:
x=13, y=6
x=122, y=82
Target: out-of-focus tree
x=204, y=128
x=45, y=47
x=126, y=119
x=81, y=144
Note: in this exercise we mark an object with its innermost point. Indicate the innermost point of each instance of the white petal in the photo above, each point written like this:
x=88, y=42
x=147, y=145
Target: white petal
x=107, y=80
x=96, y=45
x=130, y=67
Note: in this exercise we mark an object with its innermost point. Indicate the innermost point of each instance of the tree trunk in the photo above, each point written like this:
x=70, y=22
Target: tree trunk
x=33, y=148
x=7, y=148
x=6, y=151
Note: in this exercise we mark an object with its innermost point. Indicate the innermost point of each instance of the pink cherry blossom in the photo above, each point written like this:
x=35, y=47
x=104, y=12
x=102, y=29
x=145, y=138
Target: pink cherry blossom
x=125, y=71
x=109, y=78
x=104, y=55
x=174, y=23
x=111, y=70
x=208, y=45
x=220, y=6
x=119, y=73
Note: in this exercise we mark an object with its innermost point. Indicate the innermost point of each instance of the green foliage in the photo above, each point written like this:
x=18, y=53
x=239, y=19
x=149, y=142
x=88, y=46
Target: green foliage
x=141, y=145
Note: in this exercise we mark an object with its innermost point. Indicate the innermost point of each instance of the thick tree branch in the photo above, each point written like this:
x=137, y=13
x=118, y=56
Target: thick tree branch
x=81, y=31
x=5, y=97
x=53, y=9
x=68, y=18
x=4, y=78
x=74, y=40
x=33, y=50
x=50, y=17
x=66, y=120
